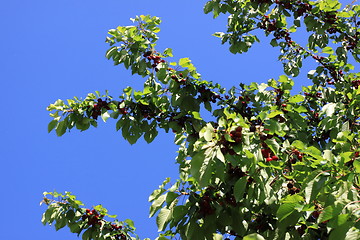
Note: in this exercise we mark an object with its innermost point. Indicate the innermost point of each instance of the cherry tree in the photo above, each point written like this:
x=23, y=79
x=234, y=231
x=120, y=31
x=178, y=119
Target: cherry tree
x=256, y=161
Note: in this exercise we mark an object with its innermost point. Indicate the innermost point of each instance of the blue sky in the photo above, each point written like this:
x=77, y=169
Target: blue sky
x=55, y=49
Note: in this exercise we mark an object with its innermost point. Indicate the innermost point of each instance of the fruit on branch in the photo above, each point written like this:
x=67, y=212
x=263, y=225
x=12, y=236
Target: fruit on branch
x=96, y=109
x=92, y=217
x=236, y=135
x=355, y=83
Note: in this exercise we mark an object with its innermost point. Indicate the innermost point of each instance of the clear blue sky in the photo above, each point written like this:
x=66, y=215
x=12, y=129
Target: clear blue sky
x=55, y=49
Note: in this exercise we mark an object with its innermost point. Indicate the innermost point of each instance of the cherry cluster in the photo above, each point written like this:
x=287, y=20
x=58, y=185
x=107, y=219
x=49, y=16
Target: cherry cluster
x=255, y=123
x=299, y=7
x=236, y=134
x=213, y=198
x=243, y=107
x=268, y=154
x=330, y=17
x=206, y=95
x=314, y=116
x=96, y=110
x=156, y=59
x=302, y=8
x=285, y=3
x=313, y=95
x=315, y=214
x=355, y=83
x=270, y=26
x=92, y=217
x=301, y=229
x=267, y=24
x=321, y=232
x=286, y=35
x=226, y=146
x=292, y=189
x=295, y=155
x=244, y=100
x=180, y=78
x=146, y=111
x=115, y=227
x=205, y=205
x=235, y=172
x=119, y=236
x=263, y=222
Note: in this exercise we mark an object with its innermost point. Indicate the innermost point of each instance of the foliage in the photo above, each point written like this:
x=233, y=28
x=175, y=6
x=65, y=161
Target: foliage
x=267, y=163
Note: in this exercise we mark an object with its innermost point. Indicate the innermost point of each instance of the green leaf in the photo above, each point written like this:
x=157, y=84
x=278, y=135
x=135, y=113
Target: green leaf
x=296, y=98
x=130, y=223
x=285, y=210
x=341, y=231
x=168, y=52
x=208, y=7
x=298, y=144
x=274, y=113
x=356, y=164
x=329, y=109
x=105, y=116
x=52, y=125
x=179, y=212
x=330, y=212
x=239, y=188
x=328, y=50
x=111, y=52
x=87, y=235
x=60, y=222
x=217, y=236
x=163, y=218
x=158, y=238
x=157, y=204
x=283, y=79
x=74, y=227
x=188, y=103
x=70, y=215
x=314, y=152
x=47, y=215
x=194, y=231
x=207, y=132
x=184, y=62
x=274, y=43
x=254, y=236
x=201, y=166
x=220, y=155
x=338, y=220
x=196, y=115
x=128, y=91
x=151, y=133
x=61, y=128
x=170, y=197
